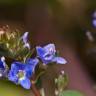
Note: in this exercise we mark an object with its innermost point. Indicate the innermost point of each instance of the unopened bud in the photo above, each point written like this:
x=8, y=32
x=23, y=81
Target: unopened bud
x=62, y=72
x=3, y=59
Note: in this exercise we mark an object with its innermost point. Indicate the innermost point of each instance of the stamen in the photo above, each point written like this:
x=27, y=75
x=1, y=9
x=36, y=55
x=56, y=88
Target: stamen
x=21, y=74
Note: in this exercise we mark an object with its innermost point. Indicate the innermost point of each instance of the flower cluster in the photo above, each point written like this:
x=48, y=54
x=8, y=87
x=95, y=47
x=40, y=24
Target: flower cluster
x=22, y=70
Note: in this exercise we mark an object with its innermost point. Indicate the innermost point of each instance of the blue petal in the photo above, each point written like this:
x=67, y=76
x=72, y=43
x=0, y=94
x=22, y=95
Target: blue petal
x=1, y=65
x=40, y=51
x=29, y=69
x=25, y=83
x=3, y=61
x=50, y=48
x=30, y=66
x=59, y=60
x=17, y=66
x=32, y=61
x=49, y=58
x=25, y=37
x=12, y=76
x=94, y=22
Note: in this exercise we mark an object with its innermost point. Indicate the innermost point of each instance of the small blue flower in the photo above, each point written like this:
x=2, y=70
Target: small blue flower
x=48, y=54
x=21, y=73
x=3, y=67
x=94, y=22
x=25, y=40
x=94, y=19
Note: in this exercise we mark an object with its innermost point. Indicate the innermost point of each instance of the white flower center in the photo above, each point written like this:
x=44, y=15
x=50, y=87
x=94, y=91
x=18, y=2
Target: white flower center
x=21, y=74
x=22, y=78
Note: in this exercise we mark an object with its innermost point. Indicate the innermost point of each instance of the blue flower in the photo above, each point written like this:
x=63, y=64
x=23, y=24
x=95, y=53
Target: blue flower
x=25, y=40
x=48, y=54
x=94, y=22
x=3, y=67
x=21, y=73
x=94, y=19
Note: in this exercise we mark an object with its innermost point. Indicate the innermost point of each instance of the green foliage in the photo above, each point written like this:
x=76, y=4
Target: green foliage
x=10, y=89
x=12, y=46
x=71, y=93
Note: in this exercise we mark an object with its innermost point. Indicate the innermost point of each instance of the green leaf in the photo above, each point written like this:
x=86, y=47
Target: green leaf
x=71, y=93
x=10, y=89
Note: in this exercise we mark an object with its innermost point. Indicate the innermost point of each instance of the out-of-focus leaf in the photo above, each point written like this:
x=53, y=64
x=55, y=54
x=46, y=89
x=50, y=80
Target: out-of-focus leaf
x=10, y=89
x=71, y=93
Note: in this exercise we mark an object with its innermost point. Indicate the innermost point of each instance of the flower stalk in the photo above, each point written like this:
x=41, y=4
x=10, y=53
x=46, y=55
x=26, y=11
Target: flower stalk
x=35, y=90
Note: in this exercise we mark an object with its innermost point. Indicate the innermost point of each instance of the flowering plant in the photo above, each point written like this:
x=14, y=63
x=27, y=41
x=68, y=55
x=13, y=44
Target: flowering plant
x=22, y=65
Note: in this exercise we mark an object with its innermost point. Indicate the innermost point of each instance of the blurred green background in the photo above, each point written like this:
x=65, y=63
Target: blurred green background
x=10, y=89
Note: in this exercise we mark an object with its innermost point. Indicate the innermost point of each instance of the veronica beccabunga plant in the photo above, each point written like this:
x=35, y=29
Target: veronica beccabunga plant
x=23, y=66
